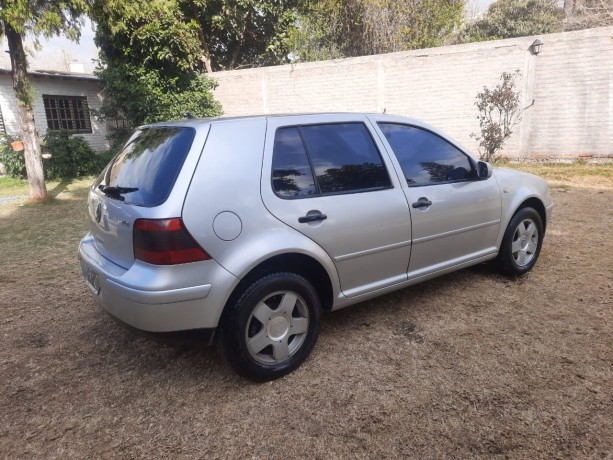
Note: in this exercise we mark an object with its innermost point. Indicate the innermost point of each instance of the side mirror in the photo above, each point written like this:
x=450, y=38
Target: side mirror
x=484, y=170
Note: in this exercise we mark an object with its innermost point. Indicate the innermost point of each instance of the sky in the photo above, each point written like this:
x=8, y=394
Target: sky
x=58, y=52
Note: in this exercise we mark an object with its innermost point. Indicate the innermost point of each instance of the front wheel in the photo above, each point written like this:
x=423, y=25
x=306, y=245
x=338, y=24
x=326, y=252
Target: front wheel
x=522, y=242
x=272, y=328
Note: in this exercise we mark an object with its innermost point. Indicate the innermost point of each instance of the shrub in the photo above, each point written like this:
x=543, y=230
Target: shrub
x=71, y=156
x=499, y=112
x=14, y=162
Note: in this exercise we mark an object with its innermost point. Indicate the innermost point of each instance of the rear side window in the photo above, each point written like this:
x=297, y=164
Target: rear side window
x=291, y=173
x=148, y=165
x=425, y=158
x=326, y=159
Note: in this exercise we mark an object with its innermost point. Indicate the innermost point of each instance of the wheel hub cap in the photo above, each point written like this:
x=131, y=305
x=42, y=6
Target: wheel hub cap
x=277, y=327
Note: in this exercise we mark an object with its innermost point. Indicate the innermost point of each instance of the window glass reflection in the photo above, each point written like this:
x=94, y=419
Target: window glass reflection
x=291, y=173
x=345, y=158
x=150, y=162
x=426, y=158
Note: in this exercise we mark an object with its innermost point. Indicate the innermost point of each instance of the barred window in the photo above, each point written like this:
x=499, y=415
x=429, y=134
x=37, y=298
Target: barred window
x=2, y=127
x=67, y=113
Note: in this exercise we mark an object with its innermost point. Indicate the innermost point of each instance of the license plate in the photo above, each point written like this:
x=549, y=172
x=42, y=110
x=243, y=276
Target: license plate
x=93, y=281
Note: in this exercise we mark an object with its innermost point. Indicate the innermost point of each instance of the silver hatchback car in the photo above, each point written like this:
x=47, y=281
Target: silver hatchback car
x=246, y=229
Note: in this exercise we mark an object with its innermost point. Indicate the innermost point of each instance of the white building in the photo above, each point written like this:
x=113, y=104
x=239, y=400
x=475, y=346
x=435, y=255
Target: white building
x=64, y=92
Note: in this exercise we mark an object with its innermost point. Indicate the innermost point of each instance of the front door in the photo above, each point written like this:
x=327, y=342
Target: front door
x=455, y=216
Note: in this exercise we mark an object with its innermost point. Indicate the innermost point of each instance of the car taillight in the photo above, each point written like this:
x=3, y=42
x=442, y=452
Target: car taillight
x=165, y=242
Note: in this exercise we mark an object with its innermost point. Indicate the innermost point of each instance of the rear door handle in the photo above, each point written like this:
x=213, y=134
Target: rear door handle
x=312, y=216
x=423, y=202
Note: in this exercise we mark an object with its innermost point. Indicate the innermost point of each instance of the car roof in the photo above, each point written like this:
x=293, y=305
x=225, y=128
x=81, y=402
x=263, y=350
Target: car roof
x=193, y=122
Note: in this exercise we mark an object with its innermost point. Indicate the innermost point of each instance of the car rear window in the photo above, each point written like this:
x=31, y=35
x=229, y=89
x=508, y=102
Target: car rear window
x=148, y=165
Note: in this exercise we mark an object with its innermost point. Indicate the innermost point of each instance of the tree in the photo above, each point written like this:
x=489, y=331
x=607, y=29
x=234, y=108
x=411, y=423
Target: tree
x=515, y=18
x=338, y=28
x=150, y=57
x=499, y=112
x=583, y=14
x=241, y=33
x=19, y=18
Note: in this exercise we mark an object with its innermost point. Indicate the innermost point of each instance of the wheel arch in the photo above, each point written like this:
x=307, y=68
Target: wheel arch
x=301, y=264
x=538, y=205
x=520, y=201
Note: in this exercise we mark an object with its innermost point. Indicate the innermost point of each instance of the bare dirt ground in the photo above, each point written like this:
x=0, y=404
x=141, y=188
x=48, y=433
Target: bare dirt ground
x=471, y=365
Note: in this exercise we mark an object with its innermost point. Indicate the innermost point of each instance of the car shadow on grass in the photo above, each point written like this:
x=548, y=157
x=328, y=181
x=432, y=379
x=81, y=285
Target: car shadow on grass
x=123, y=350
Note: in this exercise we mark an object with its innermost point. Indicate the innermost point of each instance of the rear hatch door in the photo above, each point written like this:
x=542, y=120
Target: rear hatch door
x=135, y=184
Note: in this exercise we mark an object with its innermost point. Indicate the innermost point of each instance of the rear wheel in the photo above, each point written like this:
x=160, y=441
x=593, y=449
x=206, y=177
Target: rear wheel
x=272, y=328
x=522, y=242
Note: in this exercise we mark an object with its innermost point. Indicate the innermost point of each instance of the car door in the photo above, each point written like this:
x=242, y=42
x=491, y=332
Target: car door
x=455, y=215
x=329, y=178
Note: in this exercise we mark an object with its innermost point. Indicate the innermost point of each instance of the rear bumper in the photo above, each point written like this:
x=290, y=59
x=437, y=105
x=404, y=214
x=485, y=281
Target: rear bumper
x=159, y=299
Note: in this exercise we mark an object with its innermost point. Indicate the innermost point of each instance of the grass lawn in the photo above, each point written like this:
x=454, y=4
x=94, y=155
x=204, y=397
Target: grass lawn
x=578, y=173
x=469, y=365
x=10, y=187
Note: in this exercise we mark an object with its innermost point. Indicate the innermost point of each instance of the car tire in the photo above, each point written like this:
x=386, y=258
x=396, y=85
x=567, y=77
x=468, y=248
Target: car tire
x=272, y=328
x=521, y=244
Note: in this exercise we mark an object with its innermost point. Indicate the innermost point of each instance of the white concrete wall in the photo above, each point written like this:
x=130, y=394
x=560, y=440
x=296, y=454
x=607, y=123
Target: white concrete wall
x=570, y=82
x=53, y=86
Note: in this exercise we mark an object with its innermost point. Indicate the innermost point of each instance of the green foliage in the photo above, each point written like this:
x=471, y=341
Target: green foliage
x=153, y=33
x=515, y=18
x=14, y=162
x=46, y=18
x=71, y=156
x=337, y=28
x=150, y=53
x=194, y=34
x=499, y=112
x=242, y=33
x=140, y=95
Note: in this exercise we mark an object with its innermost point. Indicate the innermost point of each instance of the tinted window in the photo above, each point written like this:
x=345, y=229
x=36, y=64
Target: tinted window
x=344, y=158
x=291, y=173
x=426, y=158
x=149, y=162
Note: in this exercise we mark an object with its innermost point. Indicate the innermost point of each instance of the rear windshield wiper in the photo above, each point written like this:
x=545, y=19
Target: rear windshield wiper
x=116, y=190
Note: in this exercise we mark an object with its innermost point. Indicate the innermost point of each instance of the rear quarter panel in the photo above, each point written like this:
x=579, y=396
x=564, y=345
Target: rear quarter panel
x=227, y=180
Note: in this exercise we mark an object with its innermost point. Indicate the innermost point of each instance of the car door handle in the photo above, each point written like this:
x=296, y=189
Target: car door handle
x=423, y=202
x=312, y=216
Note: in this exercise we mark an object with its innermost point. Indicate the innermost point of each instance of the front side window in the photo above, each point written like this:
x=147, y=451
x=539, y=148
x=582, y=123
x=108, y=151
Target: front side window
x=425, y=158
x=326, y=159
x=67, y=113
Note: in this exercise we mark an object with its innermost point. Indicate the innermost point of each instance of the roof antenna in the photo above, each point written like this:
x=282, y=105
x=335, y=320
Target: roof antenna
x=384, y=109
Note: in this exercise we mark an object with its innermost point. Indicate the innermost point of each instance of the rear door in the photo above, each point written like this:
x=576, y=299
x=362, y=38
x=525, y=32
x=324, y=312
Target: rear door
x=329, y=178
x=455, y=216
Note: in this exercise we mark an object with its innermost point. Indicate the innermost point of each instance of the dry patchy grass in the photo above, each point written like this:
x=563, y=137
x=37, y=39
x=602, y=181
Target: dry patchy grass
x=579, y=173
x=470, y=365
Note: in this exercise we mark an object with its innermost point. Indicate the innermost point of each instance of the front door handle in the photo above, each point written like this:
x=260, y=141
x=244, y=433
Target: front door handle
x=423, y=202
x=312, y=216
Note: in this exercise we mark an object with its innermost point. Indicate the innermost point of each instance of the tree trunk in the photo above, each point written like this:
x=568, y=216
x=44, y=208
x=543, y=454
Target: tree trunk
x=239, y=46
x=27, y=128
